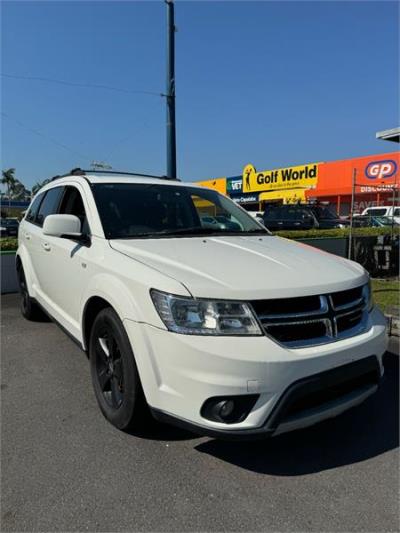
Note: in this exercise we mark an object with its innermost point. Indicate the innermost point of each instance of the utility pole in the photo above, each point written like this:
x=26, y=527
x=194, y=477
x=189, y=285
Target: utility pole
x=170, y=95
x=353, y=194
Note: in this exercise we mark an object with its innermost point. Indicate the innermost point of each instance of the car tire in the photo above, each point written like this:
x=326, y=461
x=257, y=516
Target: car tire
x=29, y=308
x=115, y=377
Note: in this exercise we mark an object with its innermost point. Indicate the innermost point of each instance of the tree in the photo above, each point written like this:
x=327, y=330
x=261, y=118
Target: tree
x=8, y=179
x=19, y=191
x=39, y=185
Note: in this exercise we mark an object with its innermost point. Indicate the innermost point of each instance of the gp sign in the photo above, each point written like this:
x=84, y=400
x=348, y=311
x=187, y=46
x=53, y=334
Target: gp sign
x=377, y=170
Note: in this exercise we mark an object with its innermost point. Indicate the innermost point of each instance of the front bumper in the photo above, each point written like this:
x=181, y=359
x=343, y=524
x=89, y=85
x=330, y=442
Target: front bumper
x=180, y=372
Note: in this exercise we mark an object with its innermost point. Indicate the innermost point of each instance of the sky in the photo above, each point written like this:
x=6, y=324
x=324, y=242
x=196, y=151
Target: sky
x=269, y=83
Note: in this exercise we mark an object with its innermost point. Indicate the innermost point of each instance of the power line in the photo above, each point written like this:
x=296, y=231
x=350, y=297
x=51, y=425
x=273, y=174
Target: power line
x=82, y=85
x=47, y=137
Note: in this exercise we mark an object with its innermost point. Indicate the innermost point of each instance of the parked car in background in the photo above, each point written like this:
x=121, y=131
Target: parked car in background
x=384, y=211
x=218, y=221
x=301, y=217
x=9, y=227
x=368, y=221
x=229, y=333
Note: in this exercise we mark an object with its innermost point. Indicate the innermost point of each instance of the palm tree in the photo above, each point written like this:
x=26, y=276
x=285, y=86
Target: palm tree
x=19, y=191
x=8, y=179
x=39, y=185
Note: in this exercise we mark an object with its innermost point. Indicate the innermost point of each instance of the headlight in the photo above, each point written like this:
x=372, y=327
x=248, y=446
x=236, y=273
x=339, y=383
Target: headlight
x=368, y=296
x=205, y=317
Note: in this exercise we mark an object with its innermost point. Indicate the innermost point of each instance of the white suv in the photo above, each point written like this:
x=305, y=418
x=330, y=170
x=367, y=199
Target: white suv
x=389, y=211
x=228, y=332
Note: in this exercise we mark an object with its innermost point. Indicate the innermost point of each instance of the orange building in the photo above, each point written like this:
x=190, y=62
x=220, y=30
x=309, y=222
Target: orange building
x=377, y=180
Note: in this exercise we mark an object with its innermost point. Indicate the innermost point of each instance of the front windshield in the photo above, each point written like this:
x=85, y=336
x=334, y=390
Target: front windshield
x=138, y=210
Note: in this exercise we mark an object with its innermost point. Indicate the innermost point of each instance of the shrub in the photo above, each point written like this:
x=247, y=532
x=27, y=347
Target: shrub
x=8, y=244
x=337, y=233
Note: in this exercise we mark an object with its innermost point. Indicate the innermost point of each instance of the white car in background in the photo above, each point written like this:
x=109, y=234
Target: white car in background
x=389, y=211
x=229, y=333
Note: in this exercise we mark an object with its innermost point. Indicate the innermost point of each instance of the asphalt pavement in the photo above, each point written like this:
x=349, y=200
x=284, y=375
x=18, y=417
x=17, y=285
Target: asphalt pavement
x=65, y=468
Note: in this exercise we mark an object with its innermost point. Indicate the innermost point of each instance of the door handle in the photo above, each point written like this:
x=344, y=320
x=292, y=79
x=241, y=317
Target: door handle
x=27, y=236
x=46, y=246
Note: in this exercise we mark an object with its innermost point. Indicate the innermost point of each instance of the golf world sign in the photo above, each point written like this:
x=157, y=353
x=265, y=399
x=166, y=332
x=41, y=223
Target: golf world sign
x=303, y=176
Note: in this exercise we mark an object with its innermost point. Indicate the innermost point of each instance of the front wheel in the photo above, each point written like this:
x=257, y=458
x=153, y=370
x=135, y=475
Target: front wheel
x=114, y=373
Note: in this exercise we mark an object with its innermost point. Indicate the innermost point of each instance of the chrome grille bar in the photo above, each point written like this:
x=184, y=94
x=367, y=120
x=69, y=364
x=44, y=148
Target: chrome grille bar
x=328, y=323
x=323, y=308
x=359, y=301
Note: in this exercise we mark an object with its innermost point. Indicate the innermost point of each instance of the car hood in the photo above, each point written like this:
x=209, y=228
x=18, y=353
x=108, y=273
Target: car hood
x=250, y=267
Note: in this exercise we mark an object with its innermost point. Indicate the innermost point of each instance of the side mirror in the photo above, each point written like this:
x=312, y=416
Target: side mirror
x=62, y=226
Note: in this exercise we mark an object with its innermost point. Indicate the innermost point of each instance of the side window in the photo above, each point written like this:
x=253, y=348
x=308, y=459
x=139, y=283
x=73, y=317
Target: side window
x=72, y=204
x=31, y=214
x=49, y=205
x=376, y=212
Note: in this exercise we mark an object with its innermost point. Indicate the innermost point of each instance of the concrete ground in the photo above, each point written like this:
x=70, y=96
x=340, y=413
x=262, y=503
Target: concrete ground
x=64, y=468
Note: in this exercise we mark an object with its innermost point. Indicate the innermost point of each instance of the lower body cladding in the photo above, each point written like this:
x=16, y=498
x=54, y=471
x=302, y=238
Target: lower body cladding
x=249, y=387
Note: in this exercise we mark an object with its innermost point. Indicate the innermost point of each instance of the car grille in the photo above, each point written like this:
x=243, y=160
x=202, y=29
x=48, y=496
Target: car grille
x=313, y=320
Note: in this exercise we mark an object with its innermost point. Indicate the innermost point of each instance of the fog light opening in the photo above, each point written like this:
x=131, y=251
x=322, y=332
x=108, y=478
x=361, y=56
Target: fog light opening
x=229, y=410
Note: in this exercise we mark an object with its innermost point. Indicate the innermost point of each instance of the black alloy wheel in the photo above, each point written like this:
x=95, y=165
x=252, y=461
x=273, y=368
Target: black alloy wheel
x=24, y=292
x=109, y=367
x=115, y=377
x=29, y=309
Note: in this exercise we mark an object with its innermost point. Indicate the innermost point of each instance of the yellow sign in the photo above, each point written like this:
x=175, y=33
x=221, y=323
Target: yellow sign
x=303, y=176
x=219, y=184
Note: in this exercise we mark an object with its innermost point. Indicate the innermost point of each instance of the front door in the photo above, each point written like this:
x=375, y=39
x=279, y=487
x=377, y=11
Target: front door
x=65, y=266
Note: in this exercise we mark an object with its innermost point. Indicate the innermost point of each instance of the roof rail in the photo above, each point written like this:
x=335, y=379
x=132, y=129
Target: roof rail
x=80, y=172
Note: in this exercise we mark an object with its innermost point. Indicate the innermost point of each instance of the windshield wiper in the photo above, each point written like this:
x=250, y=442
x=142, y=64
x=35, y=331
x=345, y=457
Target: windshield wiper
x=210, y=231
x=191, y=230
x=257, y=230
x=195, y=230
x=180, y=231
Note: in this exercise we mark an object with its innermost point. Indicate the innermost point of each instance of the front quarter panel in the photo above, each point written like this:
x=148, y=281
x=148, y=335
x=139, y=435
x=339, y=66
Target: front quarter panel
x=125, y=284
x=24, y=256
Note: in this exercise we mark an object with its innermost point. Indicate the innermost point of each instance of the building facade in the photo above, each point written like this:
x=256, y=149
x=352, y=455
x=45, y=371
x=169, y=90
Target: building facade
x=374, y=179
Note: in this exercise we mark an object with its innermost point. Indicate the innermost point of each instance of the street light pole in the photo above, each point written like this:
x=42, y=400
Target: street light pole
x=170, y=95
x=353, y=193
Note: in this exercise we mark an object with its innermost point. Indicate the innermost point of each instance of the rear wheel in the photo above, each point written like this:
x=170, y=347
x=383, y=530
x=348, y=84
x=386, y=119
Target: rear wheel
x=115, y=376
x=29, y=309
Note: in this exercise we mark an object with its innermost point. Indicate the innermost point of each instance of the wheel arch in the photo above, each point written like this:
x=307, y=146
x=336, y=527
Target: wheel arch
x=92, y=308
x=106, y=290
x=22, y=261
